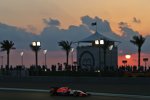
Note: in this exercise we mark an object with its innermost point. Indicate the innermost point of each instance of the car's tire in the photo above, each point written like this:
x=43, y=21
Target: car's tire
x=53, y=92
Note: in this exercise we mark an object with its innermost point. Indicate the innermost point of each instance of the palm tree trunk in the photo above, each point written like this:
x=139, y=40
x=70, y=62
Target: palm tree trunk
x=139, y=57
x=67, y=55
x=7, y=59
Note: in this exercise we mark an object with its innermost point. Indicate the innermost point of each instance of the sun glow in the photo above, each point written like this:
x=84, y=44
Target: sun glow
x=127, y=56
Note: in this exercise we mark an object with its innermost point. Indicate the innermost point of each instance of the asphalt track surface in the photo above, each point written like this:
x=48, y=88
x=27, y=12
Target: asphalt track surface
x=92, y=93
x=128, y=86
x=17, y=95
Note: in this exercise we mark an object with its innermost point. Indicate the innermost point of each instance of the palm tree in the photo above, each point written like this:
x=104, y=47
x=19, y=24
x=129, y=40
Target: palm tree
x=138, y=41
x=7, y=46
x=35, y=49
x=66, y=46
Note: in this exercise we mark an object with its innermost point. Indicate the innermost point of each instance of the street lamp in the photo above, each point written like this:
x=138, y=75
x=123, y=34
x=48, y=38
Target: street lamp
x=96, y=42
x=45, y=52
x=111, y=47
x=99, y=42
x=124, y=62
x=145, y=60
x=21, y=54
x=72, y=50
x=36, y=45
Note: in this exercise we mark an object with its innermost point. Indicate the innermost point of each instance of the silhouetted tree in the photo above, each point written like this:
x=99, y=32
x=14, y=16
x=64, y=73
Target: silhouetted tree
x=138, y=41
x=66, y=46
x=7, y=46
x=35, y=49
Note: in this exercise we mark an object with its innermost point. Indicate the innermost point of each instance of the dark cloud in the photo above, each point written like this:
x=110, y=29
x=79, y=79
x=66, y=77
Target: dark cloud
x=103, y=25
x=123, y=24
x=19, y=36
x=51, y=22
x=52, y=34
x=135, y=20
x=74, y=33
x=127, y=33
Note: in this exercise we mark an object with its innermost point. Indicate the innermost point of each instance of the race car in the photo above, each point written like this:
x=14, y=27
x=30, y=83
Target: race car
x=66, y=91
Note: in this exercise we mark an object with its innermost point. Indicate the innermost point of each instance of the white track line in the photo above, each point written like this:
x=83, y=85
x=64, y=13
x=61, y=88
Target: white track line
x=92, y=93
x=120, y=95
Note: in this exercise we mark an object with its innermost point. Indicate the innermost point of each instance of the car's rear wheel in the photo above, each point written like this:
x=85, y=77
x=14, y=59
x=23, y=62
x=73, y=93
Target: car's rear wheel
x=53, y=91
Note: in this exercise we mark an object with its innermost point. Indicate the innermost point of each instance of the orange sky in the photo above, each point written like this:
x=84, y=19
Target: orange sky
x=31, y=12
x=133, y=60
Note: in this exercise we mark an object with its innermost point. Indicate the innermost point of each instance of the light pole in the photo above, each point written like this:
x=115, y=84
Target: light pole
x=45, y=52
x=124, y=62
x=21, y=54
x=36, y=45
x=145, y=60
x=72, y=50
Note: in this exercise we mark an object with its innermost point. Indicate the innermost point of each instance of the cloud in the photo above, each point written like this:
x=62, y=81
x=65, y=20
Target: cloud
x=104, y=28
x=103, y=25
x=19, y=36
x=31, y=28
x=127, y=33
x=50, y=36
x=51, y=22
x=123, y=24
x=135, y=20
x=53, y=33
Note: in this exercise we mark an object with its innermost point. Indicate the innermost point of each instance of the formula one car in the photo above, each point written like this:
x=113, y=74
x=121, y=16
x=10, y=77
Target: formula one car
x=66, y=91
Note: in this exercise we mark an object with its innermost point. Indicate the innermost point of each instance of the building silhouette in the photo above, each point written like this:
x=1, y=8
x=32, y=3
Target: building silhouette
x=97, y=52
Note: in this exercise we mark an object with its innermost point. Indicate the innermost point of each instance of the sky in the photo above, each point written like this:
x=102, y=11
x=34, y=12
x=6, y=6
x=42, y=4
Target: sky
x=51, y=21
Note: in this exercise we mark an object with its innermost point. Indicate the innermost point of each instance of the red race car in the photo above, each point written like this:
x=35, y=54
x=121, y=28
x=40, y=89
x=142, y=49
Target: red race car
x=66, y=91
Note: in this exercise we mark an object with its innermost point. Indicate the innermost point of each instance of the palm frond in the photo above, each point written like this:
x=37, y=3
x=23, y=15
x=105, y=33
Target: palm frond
x=66, y=45
x=138, y=40
x=7, y=45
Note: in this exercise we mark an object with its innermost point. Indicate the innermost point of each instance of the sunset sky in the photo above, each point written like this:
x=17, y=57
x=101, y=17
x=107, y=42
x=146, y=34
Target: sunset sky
x=23, y=13
x=34, y=16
